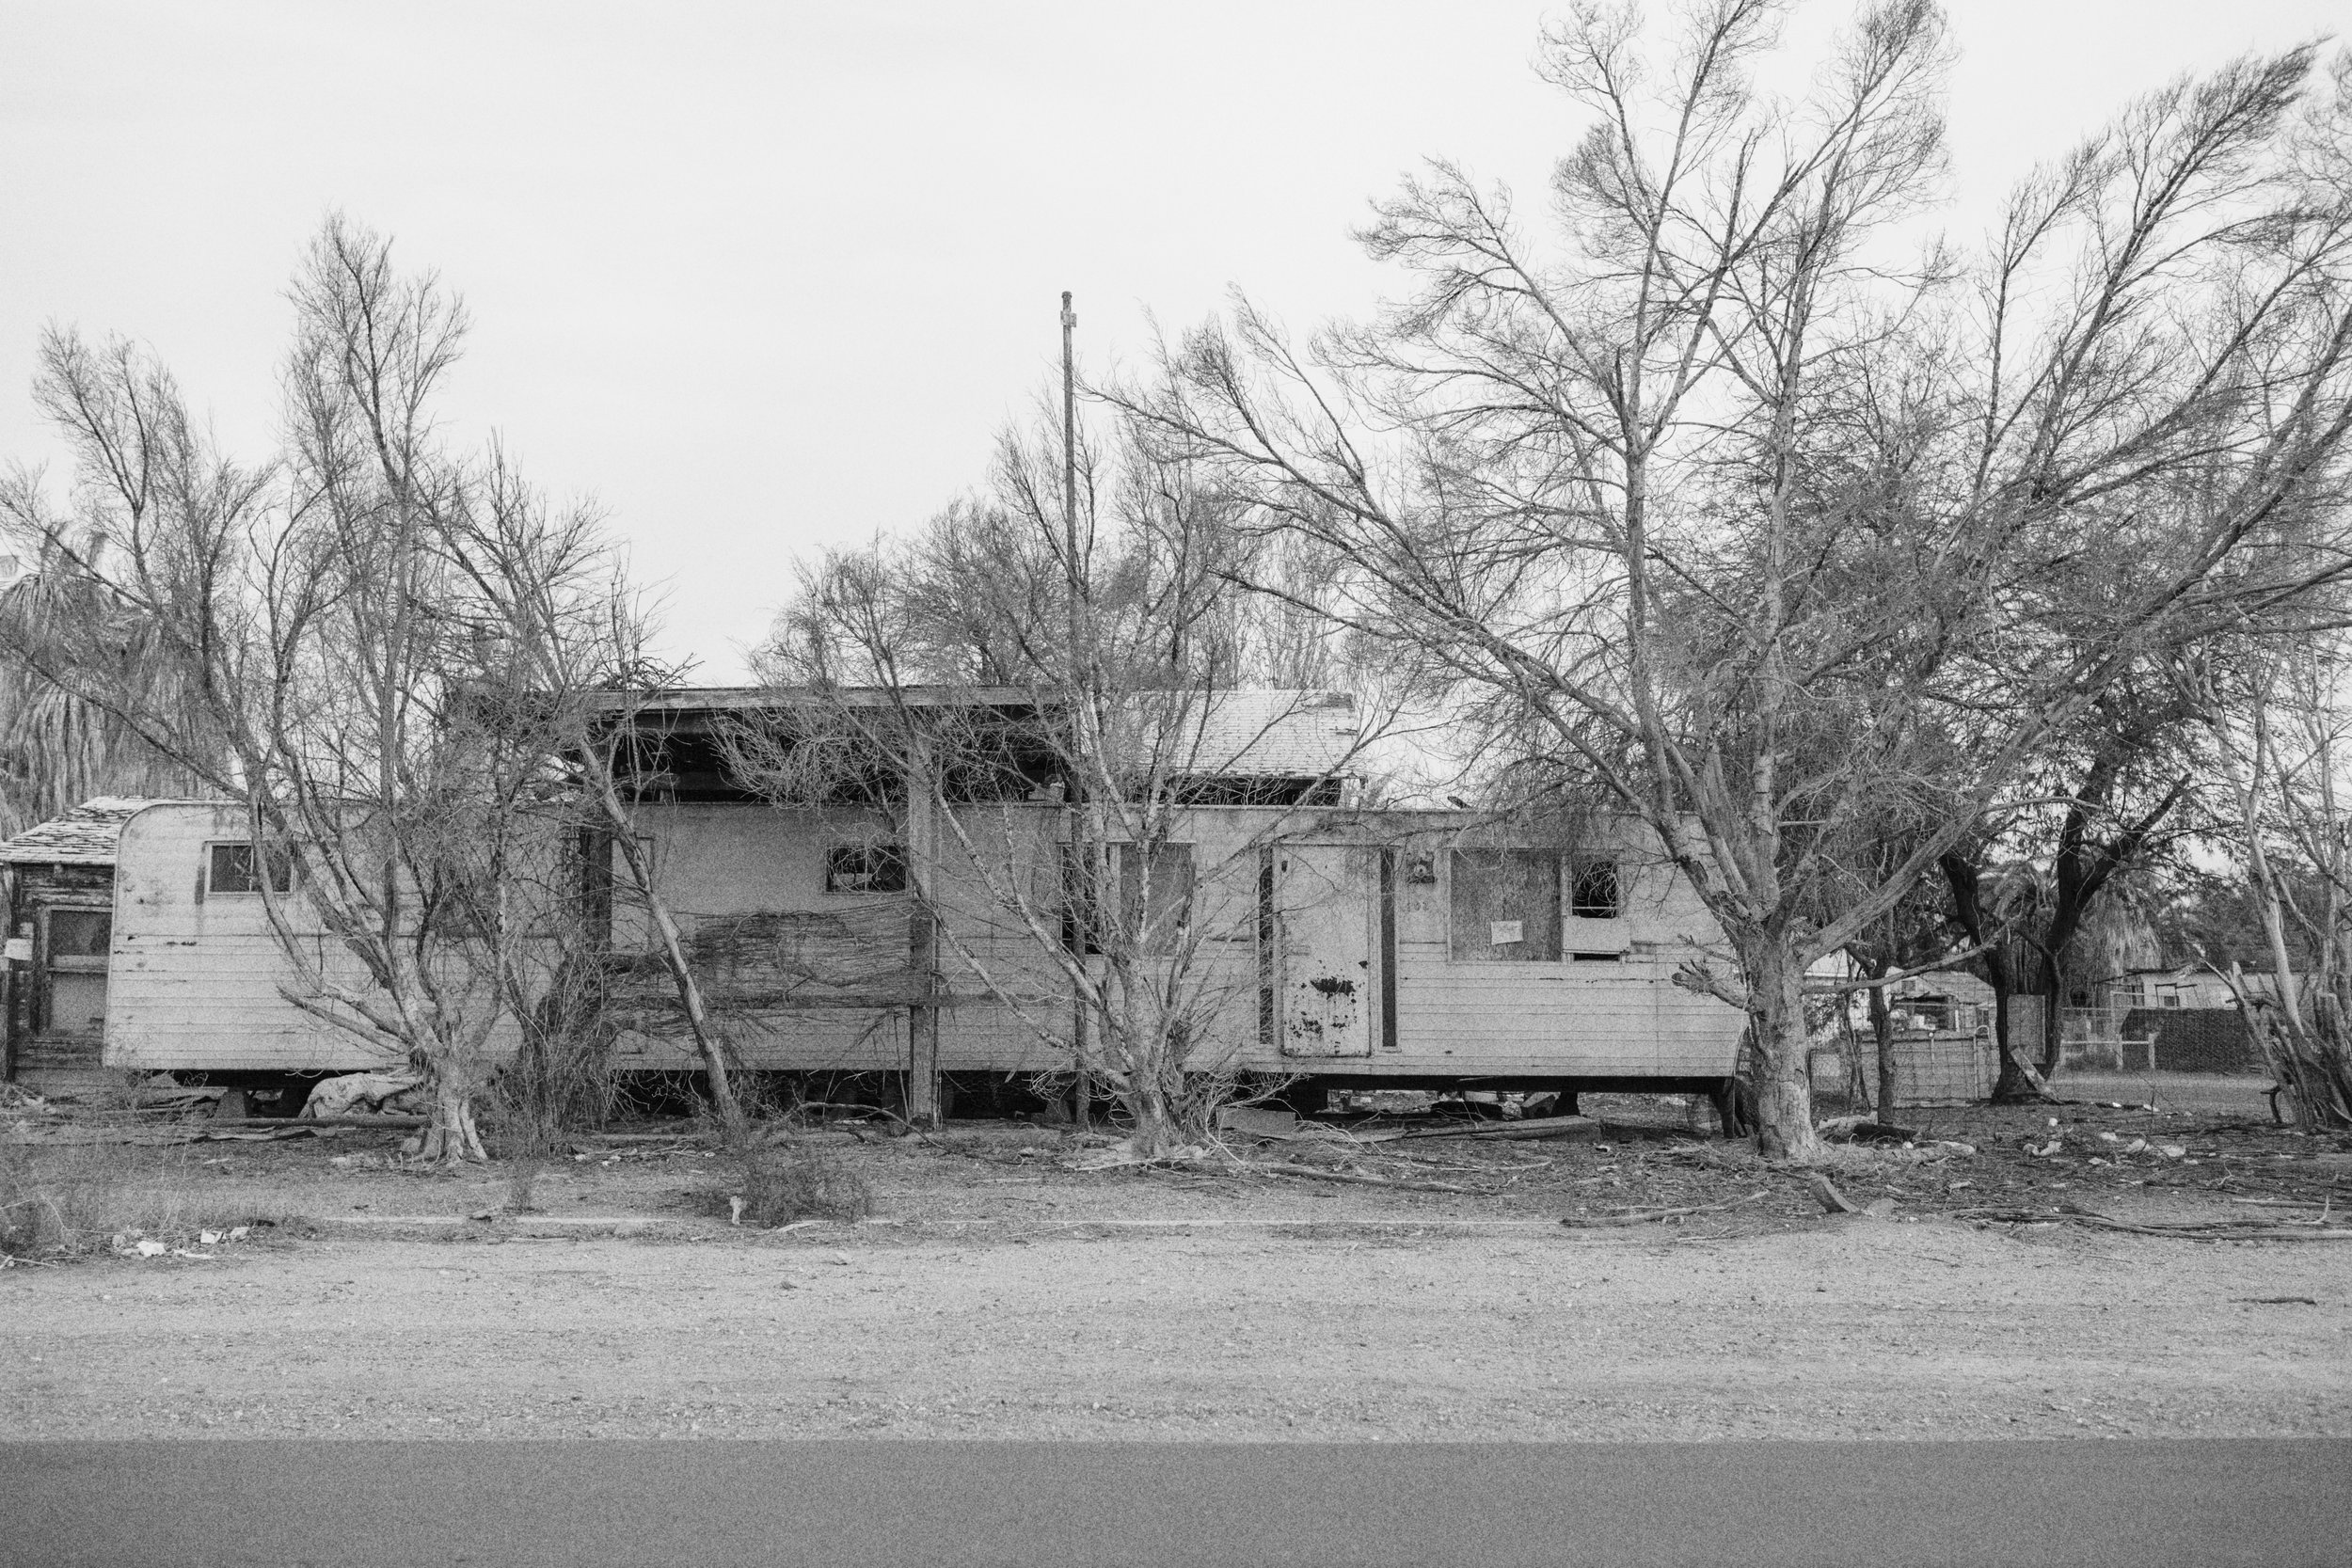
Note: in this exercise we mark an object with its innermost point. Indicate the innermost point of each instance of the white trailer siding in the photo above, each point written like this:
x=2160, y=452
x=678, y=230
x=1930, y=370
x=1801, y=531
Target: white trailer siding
x=192, y=979
x=1329, y=952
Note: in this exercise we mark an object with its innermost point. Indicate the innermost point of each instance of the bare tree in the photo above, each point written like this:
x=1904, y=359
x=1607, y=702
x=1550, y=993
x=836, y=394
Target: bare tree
x=356, y=641
x=1044, y=728
x=555, y=602
x=1735, y=502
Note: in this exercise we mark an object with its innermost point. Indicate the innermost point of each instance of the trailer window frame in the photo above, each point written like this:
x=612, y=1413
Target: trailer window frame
x=223, y=852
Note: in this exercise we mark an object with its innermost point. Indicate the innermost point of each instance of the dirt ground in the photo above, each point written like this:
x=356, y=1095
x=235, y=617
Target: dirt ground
x=998, y=1293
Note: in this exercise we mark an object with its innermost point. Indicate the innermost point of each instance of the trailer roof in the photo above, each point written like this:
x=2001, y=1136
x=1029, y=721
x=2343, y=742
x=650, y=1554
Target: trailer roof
x=1232, y=734
x=86, y=836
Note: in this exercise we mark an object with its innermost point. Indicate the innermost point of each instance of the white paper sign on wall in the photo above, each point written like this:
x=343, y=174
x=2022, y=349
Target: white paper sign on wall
x=1501, y=933
x=20, y=950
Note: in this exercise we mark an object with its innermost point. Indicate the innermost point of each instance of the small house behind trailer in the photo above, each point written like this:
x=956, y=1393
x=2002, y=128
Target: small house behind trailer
x=61, y=895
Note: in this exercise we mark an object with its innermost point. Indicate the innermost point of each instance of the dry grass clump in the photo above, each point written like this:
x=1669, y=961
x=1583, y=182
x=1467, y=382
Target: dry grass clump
x=69, y=1199
x=799, y=1181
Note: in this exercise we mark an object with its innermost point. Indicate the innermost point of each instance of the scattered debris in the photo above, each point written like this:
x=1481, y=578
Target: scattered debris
x=1863, y=1130
x=372, y=1091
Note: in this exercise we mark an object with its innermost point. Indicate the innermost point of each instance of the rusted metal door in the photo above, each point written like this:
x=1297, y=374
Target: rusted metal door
x=1322, y=932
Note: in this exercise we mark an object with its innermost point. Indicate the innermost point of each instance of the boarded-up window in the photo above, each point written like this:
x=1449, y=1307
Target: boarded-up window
x=1155, y=893
x=1595, y=892
x=1507, y=904
x=865, y=868
x=236, y=868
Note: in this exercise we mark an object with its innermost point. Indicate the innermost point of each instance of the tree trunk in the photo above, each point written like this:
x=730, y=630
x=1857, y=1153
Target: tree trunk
x=723, y=1102
x=2053, y=1015
x=1158, y=1129
x=1783, y=1075
x=451, y=1136
x=2019, y=1083
x=1883, y=1033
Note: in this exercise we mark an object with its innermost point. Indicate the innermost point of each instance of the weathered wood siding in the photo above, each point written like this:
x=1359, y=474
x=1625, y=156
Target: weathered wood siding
x=811, y=980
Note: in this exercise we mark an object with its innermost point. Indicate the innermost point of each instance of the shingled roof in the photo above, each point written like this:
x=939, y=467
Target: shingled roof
x=86, y=836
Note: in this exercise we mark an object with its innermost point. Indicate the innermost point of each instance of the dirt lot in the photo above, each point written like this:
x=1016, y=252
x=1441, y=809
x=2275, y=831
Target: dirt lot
x=999, y=1293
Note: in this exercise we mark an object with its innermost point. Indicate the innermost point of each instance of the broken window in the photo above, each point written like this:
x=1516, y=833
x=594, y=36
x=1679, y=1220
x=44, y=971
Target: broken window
x=865, y=868
x=235, y=868
x=1594, y=894
x=1507, y=904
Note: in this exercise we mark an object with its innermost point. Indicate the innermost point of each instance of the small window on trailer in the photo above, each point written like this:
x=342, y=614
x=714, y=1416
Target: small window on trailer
x=1595, y=891
x=1505, y=905
x=235, y=869
x=865, y=868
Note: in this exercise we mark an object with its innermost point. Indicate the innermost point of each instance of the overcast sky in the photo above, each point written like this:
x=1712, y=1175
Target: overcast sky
x=765, y=276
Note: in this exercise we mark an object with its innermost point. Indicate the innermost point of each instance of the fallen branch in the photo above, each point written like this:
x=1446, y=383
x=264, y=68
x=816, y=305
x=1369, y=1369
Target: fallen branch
x=1313, y=1174
x=2200, y=1231
x=1646, y=1216
x=297, y=1122
x=1543, y=1127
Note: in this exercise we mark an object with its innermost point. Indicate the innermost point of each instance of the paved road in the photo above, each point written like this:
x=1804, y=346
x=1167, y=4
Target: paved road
x=2272, y=1503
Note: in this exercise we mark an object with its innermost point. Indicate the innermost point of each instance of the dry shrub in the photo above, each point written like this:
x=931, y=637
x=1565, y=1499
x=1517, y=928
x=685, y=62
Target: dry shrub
x=560, y=1082
x=59, y=1200
x=799, y=1181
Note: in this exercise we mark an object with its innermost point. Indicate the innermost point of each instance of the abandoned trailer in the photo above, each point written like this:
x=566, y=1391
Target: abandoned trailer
x=1309, y=938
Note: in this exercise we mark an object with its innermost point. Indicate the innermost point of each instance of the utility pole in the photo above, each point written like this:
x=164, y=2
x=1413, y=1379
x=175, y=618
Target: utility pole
x=1069, y=474
x=1084, y=870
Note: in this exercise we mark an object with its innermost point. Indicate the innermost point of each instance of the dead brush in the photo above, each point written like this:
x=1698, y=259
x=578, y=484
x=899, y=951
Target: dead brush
x=784, y=1182
x=559, y=1083
x=64, y=1201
